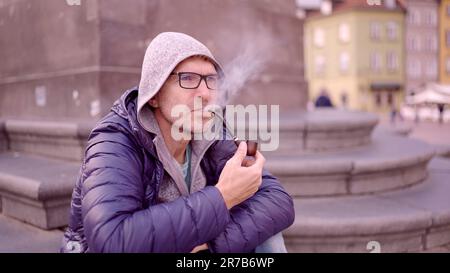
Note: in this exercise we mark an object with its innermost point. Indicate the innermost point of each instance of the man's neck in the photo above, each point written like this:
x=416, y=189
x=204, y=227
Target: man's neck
x=177, y=148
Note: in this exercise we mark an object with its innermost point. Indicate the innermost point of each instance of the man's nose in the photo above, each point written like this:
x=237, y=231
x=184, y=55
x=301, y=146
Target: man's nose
x=203, y=90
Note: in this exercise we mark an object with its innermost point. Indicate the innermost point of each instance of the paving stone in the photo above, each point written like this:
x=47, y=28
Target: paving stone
x=19, y=237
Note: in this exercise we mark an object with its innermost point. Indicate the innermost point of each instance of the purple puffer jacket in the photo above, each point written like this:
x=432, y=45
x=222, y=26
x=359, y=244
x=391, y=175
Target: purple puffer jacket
x=114, y=205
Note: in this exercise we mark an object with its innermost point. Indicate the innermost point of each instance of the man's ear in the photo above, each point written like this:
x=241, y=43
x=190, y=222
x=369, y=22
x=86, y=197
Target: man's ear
x=153, y=103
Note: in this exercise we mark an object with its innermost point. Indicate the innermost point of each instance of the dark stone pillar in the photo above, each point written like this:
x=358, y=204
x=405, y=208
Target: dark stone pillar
x=71, y=62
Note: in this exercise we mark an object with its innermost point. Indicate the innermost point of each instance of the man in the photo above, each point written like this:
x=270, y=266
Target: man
x=441, y=108
x=323, y=100
x=142, y=190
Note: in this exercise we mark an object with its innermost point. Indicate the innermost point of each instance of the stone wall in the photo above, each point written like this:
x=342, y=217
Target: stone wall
x=72, y=62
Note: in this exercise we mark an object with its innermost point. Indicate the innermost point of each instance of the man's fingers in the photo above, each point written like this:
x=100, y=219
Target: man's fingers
x=240, y=154
x=259, y=160
x=248, y=161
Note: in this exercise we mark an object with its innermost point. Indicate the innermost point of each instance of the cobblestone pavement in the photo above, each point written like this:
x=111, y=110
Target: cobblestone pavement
x=431, y=132
x=19, y=237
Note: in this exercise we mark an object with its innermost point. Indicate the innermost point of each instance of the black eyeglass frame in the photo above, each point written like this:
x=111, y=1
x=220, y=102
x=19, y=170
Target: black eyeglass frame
x=202, y=77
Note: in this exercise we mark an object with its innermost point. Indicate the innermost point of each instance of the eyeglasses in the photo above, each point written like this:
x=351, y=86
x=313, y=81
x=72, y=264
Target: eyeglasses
x=191, y=80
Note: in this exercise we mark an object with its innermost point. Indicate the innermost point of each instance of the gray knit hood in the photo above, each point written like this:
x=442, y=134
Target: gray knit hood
x=163, y=54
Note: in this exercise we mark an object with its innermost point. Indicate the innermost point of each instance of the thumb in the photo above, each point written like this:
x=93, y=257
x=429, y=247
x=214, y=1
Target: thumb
x=241, y=152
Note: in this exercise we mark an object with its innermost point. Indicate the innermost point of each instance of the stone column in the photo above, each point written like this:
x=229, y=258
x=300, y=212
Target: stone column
x=62, y=61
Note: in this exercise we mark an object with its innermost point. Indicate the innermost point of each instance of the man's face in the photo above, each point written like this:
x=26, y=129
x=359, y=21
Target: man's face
x=172, y=95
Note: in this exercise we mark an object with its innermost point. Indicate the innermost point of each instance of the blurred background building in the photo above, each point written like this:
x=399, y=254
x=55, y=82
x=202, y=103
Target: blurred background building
x=372, y=55
x=444, y=41
x=356, y=54
x=422, y=44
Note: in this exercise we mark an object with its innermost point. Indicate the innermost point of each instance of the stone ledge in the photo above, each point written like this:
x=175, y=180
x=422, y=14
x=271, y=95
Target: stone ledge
x=437, y=236
x=399, y=130
x=321, y=130
x=36, y=190
x=392, y=152
x=389, y=243
x=443, y=150
x=65, y=140
x=50, y=214
x=407, y=220
x=355, y=216
x=389, y=163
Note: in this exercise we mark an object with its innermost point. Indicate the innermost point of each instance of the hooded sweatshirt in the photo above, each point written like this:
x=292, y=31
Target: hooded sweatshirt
x=163, y=54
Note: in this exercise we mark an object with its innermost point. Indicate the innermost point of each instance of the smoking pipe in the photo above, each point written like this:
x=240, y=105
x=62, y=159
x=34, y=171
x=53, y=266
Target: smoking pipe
x=252, y=146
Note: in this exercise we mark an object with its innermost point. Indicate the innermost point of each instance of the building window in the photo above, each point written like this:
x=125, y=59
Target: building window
x=414, y=68
x=319, y=37
x=433, y=43
x=411, y=16
x=416, y=43
x=430, y=43
x=375, y=31
x=390, y=99
x=392, y=30
x=344, y=32
x=434, y=17
x=320, y=64
x=447, y=38
x=431, y=70
x=414, y=17
x=326, y=7
x=378, y=99
x=447, y=65
x=375, y=61
x=409, y=43
x=426, y=43
x=431, y=18
x=344, y=61
x=392, y=61
x=390, y=4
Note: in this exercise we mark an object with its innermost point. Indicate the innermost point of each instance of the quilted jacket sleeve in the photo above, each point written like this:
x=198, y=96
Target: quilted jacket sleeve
x=113, y=215
x=266, y=213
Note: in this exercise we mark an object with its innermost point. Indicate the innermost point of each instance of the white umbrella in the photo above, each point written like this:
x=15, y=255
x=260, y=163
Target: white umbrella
x=440, y=88
x=428, y=96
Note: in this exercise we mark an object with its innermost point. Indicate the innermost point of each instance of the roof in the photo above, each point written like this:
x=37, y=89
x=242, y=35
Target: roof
x=348, y=5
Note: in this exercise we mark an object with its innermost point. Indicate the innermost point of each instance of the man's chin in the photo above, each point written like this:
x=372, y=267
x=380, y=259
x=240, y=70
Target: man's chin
x=196, y=127
x=199, y=129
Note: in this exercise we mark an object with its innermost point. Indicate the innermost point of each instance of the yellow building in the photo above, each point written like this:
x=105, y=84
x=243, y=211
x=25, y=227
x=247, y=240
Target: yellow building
x=444, y=38
x=356, y=54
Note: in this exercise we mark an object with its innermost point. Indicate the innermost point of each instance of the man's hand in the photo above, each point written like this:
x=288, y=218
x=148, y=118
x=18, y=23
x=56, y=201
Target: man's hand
x=240, y=179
